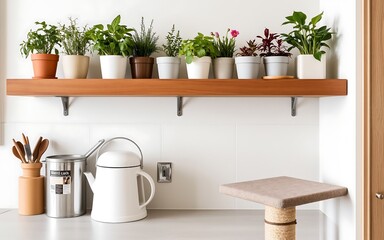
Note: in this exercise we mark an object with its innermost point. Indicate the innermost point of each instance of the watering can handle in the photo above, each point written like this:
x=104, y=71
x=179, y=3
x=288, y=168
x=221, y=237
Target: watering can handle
x=151, y=183
x=122, y=138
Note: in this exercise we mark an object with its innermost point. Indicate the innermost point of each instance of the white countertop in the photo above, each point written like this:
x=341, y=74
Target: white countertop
x=159, y=224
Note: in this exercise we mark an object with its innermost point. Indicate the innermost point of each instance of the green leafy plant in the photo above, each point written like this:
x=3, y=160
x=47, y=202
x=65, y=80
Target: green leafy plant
x=248, y=50
x=272, y=45
x=42, y=40
x=200, y=46
x=115, y=39
x=172, y=46
x=75, y=41
x=144, y=43
x=306, y=36
x=225, y=46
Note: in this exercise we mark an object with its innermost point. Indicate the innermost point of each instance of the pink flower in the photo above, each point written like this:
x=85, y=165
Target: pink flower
x=217, y=35
x=234, y=33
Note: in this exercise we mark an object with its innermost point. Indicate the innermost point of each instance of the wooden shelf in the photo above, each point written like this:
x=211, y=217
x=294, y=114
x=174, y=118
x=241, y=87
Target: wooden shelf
x=179, y=88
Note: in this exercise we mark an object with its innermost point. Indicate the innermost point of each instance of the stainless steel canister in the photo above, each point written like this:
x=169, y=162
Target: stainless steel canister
x=65, y=185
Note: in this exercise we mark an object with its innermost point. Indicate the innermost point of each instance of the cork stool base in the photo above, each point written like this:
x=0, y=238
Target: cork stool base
x=280, y=223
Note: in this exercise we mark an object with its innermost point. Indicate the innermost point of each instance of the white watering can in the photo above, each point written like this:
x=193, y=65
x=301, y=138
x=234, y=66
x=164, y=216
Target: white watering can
x=118, y=189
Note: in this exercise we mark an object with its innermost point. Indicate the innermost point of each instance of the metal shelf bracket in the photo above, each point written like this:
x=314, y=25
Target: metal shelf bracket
x=293, y=106
x=179, y=106
x=65, y=102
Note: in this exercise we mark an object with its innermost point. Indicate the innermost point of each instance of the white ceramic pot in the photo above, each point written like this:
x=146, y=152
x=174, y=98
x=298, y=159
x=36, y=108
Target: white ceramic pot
x=276, y=65
x=113, y=66
x=168, y=67
x=247, y=67
x=223, y=67
x=75, y=66
x=310, y=68
x=199, y=68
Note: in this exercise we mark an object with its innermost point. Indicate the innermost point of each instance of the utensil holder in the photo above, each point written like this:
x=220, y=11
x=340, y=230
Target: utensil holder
x=31, y=190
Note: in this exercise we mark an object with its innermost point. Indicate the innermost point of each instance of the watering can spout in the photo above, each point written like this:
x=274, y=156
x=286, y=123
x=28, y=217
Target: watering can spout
x=91, y=180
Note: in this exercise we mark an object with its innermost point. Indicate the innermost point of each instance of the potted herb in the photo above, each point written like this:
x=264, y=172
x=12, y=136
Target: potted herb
x=41, y=45
x=169, y=66
x=223, y=64
x=75, y=43
x=144, y=44
x=247, y=61
x=275, y=54
x=309, y=40
x=114, y=45
x=198, y=53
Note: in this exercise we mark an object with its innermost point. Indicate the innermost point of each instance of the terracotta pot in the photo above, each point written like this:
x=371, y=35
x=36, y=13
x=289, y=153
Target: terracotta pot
x=44, y=65
x=141, y=67
x=31, y=190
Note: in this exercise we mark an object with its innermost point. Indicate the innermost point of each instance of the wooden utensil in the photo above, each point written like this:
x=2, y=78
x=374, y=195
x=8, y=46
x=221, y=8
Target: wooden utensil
x=42, y=148
x=35, y=152
x=16, y=153
x=20, y=150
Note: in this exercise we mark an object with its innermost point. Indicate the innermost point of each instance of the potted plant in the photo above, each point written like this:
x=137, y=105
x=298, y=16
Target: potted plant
x=223, y=63
x=144, y=44
x=275, y=54
x=168, y=66
x=114, y=45
x=75, y=43
x=41, y=45
x=247, y=61
x=198, y=53
x=309, y=40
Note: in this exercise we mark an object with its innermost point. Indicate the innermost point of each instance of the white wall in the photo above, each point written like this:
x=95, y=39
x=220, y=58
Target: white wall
x=216, y=141
x=340, y=124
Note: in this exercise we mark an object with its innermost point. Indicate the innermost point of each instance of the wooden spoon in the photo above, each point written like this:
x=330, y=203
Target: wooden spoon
x=35, y=152
x=42, y=148
x=16, y=153
x=20, y=150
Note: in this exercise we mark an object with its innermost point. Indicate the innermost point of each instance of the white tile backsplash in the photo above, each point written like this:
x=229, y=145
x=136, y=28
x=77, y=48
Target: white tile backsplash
x=265, y=151
x=203, y=157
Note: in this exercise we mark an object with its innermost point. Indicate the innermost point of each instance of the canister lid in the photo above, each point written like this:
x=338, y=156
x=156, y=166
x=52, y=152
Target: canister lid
x=65, y=158
x=118, y=159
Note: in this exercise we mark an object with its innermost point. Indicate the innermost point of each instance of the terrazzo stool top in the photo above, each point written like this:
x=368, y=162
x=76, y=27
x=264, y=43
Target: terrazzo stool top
x=283, y=192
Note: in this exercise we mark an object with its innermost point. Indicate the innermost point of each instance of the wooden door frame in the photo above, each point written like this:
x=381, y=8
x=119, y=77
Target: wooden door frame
x=366, y=119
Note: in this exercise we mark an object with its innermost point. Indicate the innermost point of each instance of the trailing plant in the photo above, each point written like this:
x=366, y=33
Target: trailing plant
x=272, y=45
x=75, y=41
x=172, y=46
x=144, y=43
x=225, y=46
x=115, y=39
x=305, y=36
x=42, y=40
x=199, y=47
x=248, y=50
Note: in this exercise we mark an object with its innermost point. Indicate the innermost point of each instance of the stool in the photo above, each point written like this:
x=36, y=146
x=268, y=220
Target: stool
x=281, y=195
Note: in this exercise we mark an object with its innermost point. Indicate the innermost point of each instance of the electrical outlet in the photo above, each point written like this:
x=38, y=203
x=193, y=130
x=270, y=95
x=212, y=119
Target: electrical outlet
x=164, y=172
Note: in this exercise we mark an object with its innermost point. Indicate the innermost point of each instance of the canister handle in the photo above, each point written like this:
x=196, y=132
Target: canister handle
x=122, y=138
